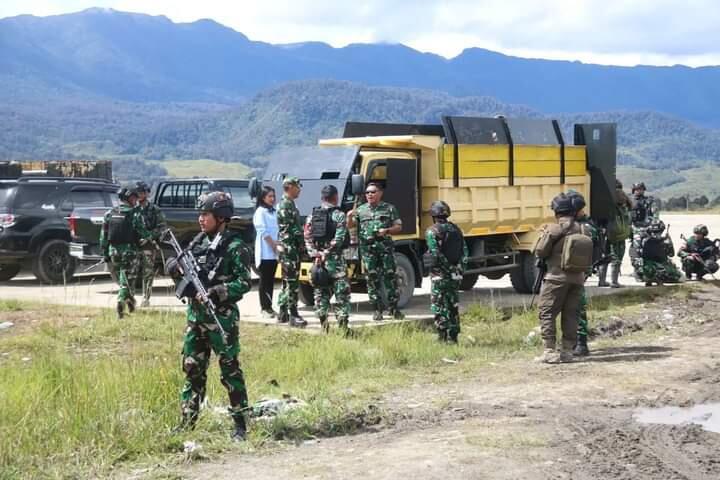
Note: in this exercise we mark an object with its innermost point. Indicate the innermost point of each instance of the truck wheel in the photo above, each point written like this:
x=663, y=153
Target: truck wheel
x=7, y=272
x=306, y=294
x=406, y=278
x=468, y=281
x=523, y=277
x=495, y=275
x=53, y=263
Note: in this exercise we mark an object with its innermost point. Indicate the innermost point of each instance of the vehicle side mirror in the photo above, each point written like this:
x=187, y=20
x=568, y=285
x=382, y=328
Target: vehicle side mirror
x=357, y=184
x=255, y=187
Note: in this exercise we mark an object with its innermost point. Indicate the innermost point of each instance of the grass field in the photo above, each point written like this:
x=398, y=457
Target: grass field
x=83, y=394
x=672, y=183
x=204, y=168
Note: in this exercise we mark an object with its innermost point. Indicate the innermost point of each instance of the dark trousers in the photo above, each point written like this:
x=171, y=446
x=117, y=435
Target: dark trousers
x=267, y=281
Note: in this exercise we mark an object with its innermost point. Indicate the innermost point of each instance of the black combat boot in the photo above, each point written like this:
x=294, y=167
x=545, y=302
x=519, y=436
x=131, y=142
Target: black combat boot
x=131, y=304
x=324, y=324
x=396, y=314
x=120, y=308
x=581, y=347
x=296, y=320
x=442, y=335
x=240, y=431
x=283, y=316
x=377, y=316
x=453, y=337
x=615, y=274
x=602, y=276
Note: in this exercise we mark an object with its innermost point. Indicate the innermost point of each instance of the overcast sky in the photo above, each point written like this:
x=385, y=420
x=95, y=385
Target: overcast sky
x=629, y=32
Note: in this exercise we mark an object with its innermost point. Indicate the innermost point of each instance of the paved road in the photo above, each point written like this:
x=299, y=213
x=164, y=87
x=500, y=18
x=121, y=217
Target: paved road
x=98, y=290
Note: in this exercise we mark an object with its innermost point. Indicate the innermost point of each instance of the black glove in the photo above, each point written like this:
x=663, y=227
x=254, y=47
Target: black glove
x=218, y=293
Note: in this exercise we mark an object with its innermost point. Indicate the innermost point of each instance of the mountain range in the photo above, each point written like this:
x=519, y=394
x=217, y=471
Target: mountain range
x=141, y=58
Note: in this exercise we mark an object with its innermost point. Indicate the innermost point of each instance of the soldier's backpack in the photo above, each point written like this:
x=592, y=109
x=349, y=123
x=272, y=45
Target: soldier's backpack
x=653, y=248
x=323, y=227
x=120, y=228
x=577, y=253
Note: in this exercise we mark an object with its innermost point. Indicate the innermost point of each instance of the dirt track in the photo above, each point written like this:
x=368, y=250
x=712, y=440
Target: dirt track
x=531, y=421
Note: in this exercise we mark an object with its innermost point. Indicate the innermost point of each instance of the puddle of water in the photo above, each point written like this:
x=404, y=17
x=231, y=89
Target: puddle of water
x=706, y=415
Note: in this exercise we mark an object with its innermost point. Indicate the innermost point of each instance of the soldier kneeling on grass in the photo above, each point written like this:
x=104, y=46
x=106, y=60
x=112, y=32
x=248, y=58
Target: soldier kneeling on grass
x=566, y=249
x=446, y=258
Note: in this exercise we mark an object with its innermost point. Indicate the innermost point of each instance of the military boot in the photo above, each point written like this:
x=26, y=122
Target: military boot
x=453, y=337
x=283, y=316
x=602, y=276
x=131, y=304
x=442, y=335
x=566, y=352
x=378, y=315
x=615, y=274
x=324, y=324
x=549, y=355
x=296, y=320
x=396, y=314
x=240, y=431
x=119, y=308
x=581, y=347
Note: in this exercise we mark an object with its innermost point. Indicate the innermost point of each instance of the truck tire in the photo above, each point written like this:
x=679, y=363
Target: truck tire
x=406, y=279
x=523, y=277
x=53, y=263
x=306, y=294
x=494, y=275
x=468, y=281
x=7, y=272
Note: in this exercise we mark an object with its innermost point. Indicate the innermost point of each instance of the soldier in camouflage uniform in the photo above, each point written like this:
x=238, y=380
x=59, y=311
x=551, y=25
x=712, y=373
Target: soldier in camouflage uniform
x=699, y=254
x=326, y=237
x=290, y=243
x=653, y=249
x=581, y=347
x=218, y=251
x=121, y=235
x=155, y=222
x=447, y=258
x=377, y=221
x=644, y=212
x=619, y=230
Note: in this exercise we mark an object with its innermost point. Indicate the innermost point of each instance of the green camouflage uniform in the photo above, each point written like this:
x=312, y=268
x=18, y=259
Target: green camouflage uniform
x=125, y=257
x=655, y=270
x=616, y=244
x=231, y=281
x=290, y=237
x=155, y=222
x=643, y=213
x=582, y=318
x=446, y=278
x=707, y=251
x=377, y=253
x=336, y=266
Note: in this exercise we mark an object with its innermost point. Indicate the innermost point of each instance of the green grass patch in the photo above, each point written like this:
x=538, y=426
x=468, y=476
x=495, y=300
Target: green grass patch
x=203, y=168
x=82, y=398
x=11, y=305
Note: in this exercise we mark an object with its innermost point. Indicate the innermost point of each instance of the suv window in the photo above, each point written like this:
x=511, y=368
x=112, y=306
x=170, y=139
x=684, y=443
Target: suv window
x=6, y=193
x=37, y=196
x=85, y=198
x=241, y=197
x=181, y=195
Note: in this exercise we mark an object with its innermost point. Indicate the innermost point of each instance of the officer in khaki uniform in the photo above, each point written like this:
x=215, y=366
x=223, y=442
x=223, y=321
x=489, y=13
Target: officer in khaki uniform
x=561, y=290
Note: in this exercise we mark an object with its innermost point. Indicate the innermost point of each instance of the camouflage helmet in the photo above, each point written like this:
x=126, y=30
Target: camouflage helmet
x=578, y=201
x=439, y=209
x=287, y=181
x=657, y=227
x=562, y=205
x=142, y=187
x=219, y=204
x=701, y=230
x=638, y=185
x=126, y=192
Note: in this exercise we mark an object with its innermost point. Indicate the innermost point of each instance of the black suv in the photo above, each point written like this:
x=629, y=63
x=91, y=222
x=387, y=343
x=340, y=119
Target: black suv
x=33, y=225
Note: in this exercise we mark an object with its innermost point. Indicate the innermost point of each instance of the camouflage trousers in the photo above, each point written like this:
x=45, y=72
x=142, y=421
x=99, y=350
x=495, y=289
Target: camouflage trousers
x=340, y=287
x=200, y=339
x=444, y=301
x=126, y=262
x=380, y=271
x=148, y=258
x=582, y=318
x=698, y=267
x=617, y=252
x=290, y=268
x=659, y=272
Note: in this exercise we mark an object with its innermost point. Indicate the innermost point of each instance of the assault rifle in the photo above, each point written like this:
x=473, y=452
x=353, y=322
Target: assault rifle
x=191, y=285
x=541, y=265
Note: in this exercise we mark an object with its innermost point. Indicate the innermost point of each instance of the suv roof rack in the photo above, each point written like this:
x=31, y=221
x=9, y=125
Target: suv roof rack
x=34, y=178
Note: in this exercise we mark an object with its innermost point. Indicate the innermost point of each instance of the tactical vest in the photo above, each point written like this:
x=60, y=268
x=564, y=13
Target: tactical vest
x=654, y=249
x=323, y=227
x=211, y=256
x=451, y=242
x=120, y=228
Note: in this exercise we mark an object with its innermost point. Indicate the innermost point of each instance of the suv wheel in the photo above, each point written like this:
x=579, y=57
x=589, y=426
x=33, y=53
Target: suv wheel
x=7, y=272
x=53, y=263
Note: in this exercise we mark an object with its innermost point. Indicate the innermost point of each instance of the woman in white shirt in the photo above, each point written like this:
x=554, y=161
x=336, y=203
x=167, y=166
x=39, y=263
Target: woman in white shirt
x=266, y=237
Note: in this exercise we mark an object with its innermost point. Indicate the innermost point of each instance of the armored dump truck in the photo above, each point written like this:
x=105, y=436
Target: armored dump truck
x=498, y=175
